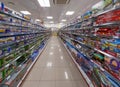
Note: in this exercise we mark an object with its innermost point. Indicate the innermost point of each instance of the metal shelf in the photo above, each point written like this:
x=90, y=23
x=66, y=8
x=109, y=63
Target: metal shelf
x=13, y=75
x=103, y=12
x=31, y=66
x=88, y=18
x=12, y=61
x=17, y=34
x=80, y=69
x=95, y=36
x=7, y=54
x=13, y=24
x=18, y=25
x=109, y=24
x=18, y=41
x=89, y=27
x=14, y=16
x=33, y=30
x=20, y=18
x=101, y=68
x=92, y=35
x=106, y=54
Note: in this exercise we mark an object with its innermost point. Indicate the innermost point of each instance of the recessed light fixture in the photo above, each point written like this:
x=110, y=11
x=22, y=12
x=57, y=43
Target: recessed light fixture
x=63, y=20
x=69, y=12
x=49, y=17
x=37, y=20
x=26, y=12
x=44, y=3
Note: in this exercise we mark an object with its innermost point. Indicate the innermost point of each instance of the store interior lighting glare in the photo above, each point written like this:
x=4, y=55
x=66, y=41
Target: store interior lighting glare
x=49, y=17
x=44, y=3
x=26, y=12
x=70, y=12
x=63, y=20
x=37, y=20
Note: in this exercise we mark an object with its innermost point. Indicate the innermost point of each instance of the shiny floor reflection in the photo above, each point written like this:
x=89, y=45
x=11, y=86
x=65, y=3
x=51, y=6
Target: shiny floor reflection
x=54, y=68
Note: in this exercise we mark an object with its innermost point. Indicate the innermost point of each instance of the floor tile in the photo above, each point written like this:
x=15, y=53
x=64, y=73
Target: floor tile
x=76, y=75
x=64, y=84
x=35, y=74
x=54, y=68
x=47, y=84
x=48, y=74
x=31, y=84
x=79, y=84
x=63, y=74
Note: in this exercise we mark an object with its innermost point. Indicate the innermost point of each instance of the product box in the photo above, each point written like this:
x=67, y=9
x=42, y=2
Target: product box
x=111, y=16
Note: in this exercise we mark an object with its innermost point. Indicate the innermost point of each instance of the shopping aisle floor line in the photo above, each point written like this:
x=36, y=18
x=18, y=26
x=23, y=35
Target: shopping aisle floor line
x=54, y=68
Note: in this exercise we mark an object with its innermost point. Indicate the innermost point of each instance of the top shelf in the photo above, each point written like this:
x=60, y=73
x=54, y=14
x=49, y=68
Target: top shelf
x=20, y=18
x=17, y=17
x=96, y=15
x=103, y=12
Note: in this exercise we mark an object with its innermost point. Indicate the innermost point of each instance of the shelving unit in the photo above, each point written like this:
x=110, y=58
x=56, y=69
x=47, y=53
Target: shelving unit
x=94, y=44
x=82, y=72
x=21, y=41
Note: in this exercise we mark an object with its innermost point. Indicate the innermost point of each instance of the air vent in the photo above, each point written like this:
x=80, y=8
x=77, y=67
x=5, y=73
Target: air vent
x=61, y=1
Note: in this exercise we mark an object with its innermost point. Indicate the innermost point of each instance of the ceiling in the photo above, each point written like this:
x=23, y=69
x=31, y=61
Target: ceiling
x=56, y=10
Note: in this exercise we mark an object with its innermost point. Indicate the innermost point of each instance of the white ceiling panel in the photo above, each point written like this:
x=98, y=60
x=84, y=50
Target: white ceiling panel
x=56, y=10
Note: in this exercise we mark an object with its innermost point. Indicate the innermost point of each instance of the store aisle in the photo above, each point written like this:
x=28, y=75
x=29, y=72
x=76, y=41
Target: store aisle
x=54, y=68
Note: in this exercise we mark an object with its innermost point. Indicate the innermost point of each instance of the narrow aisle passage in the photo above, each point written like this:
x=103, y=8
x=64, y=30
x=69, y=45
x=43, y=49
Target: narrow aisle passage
x=54, y=68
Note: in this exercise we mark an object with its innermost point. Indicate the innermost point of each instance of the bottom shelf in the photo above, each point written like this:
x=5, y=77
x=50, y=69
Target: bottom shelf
x=28, y=70
x=16, y=78
x=80, y=69
x=94, y=73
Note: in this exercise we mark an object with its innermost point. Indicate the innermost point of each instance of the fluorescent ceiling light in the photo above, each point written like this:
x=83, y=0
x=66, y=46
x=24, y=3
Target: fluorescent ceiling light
x=49, y=17
x=26, y=12
x=69, y=12
x=44, y=3
x=63, y=20
x=37, y=20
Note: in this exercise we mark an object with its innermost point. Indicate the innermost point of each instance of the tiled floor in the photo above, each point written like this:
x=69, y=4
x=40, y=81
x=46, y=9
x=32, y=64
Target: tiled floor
x=54, y=68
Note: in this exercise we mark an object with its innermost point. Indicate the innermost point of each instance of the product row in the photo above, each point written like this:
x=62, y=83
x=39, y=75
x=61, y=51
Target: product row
x=94, y=42
x=21, y=42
